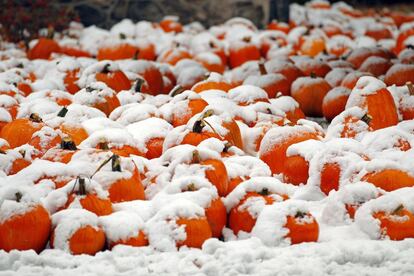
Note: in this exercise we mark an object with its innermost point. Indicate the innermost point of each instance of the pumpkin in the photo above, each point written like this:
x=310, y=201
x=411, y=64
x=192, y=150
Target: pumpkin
x=122, y=185
x=28, y=228
x=88, y=199
x=70, y=79
x=197, y=231
x=153, y=79
x=309, y=92
x=312, y=46
x=276, y=141
x=372, y=95
x=359, y=55
x=302, y=227
x=83, y=237
x=20, y=131
x=389, y=179
x=398, y=224
x=399, y=74
x=116, y=80
x=45, y=139
x=242, y=51
x=405, y=107
x=334, y=102
x=135, y=236
x=43, y=49
x=63, y=153
x=376, y=66
x=174, y=55
x=330, y=175
x=313, y=67
x=171, y=24
x=270, y=82
x=211, y=61
x=296, y=170
x=239, y=217
x=287, y=69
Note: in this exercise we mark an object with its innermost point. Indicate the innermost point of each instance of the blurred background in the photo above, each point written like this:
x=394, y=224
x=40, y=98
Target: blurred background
x=36, y=14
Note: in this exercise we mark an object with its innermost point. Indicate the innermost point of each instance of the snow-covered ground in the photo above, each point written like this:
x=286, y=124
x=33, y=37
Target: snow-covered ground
x=247, y=257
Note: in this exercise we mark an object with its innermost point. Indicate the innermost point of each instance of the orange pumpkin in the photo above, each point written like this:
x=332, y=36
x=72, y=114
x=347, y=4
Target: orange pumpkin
x=63, y=153
x=389, y=179
x=43, y=49
x=399, y=74
x=89, y=200
x=20, y=131
x=309, y=92
x=397, y=225
x=334, y=102
x=27, y=230
x=116, y=80
x=197, y=231
x=379, y=104
x=242, y=51
x=302, y=228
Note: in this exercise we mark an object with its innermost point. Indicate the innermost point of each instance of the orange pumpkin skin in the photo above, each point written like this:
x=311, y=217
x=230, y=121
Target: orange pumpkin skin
x=216, y=215
x=154, y=148
x=116, y=80
x=76, y=133
x=110, y=103
x=194, y=138
x=169, y=25
x=310, y=96
x=136, y=241
x=381, y=108
x=122, y=51
x=43, y=49
x=195, y=106
x=334, y=105
x=234, y=182
x=92, y=203
x=398, y=225
x=241, y=220
x=73, y=52
x=390, y=179
x=153, y=78
x=174, y=55
x=351, y=210
x=301, y=232
x=296, y=170
x=127, y=189
x=330, y=175
x=209, y=85
x=217, y=175
x=18, y=165
x=198, y=230
x=399, y=74
x=276, y=157
x=27, y=231
x=87, y=240
x=240, y=55
x=20, y=131
x=70, y=81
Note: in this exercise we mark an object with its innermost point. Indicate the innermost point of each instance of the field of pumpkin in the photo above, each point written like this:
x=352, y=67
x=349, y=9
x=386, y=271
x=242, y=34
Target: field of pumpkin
x=179, y=138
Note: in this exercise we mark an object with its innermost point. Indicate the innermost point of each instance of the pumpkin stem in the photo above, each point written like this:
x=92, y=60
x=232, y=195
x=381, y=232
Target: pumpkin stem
x=300, y=214
x=136, y=54
x=18, y=196
x=106, y=70
x=212, y=128
x=89, y=89
x=190, y=188
x=122, y=36
x=196, y=157
x=138, y=85
x=410, y=88
x=212, y=44
x=68, y=144
x=35, y=118
x=409, y=46
x=262, y=67
x=50, y=32
x=313, y=75
x=178, y=89
x=2, y=151
x=227, y=146
x=62, y=113
x=247, y=39
x=103, y=145
x=103, y=164
x=398, y=210
x=366, y=118
x=264, y=192
x=22, y=152
x=82, y=186
x=116, y=163
x=200, y=123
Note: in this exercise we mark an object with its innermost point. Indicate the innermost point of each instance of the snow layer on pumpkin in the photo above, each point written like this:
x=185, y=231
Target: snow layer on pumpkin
x=99, y=123
x=365, y=86
x=58, y=198
x=246, y=166
x=132, y=113
x=257, y=184
x=337, y=126
x=67, y=222
x=115, y=137
x=246, y=94
x=121, y=225
x=270, y=225
x=335, y=212
x=163, y=231
x=386, y=203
